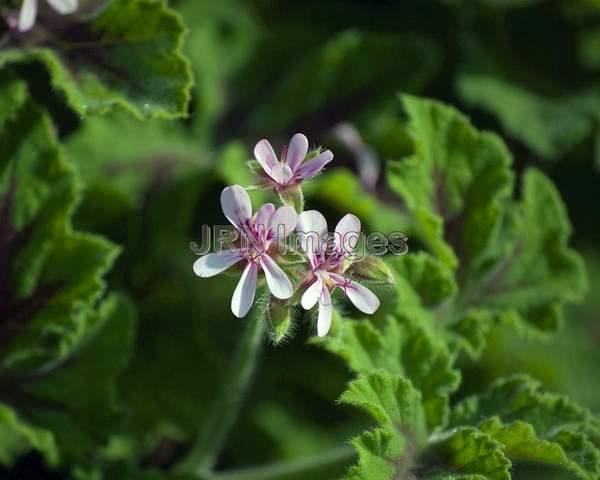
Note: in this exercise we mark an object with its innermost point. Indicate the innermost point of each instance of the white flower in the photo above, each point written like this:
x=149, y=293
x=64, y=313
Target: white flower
x=327, y=266
x=30, y=7
x=260, y=230
x=291, y=168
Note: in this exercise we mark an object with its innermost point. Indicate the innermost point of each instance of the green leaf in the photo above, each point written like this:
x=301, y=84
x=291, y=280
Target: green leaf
x=511, y=258
x=467, y=454
x=535, y=426
x=51, y=274
x=83, y=415
x=540, y=272
x=364, y=60
x=18, y=437
x=54, y=338
x=396, y=406
x=455, y=182
x=549, y=126
x=125, y=55
x=401, y=348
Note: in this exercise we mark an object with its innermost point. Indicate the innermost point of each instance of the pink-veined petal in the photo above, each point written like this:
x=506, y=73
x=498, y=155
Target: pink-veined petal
x=264, y=153
x=283, y=222
x=277, y=281
x=64, y=7
x=27, y=15
x=236, y=205
x=347, y=232
x=312, y=294
x=243, y=297
x=311, y=228
x=362, y=298
x=325, y=313
x=297, y=150
x=281, y=173
x=314, y=166
x=214, y=263
x=262, y=216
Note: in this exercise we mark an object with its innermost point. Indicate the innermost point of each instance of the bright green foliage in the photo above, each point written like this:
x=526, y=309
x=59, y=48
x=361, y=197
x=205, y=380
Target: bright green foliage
x=534, y=425
x=396, y=406
x=511, y=258
x=489, y=435
x=455, y=182
x=403, y=349
x=127, y=55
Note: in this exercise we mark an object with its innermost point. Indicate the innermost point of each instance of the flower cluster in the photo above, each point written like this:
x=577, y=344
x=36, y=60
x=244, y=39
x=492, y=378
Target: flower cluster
x=327, y=257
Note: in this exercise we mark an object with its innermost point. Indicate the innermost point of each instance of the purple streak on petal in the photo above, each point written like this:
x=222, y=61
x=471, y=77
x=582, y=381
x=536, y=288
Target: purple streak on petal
x=347, y=229
x=264, y=153
x=236, y=205
x=281, y=173
x=311, y=227
x=314, y=166
x=362, y=298
x=296, y=151
x=282, y=222
x=215, y=263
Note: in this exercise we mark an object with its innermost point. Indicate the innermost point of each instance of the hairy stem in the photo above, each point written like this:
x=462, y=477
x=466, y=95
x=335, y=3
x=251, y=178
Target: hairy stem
x=331, y=463
x=225, y=409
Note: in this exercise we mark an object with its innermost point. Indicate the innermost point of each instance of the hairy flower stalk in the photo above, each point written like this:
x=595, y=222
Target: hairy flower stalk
x=327, y=265
x=257, y=233
x=29, y=10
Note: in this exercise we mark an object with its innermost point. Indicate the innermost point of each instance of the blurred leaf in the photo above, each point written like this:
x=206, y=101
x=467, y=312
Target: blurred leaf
x=366, y=62
x=127, y=54
x=51, y=274
x=18, y=437
x=548, y=126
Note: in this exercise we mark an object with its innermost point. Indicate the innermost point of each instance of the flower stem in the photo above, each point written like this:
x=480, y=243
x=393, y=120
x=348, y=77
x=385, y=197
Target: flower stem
x=225, y=409
x=331, y=464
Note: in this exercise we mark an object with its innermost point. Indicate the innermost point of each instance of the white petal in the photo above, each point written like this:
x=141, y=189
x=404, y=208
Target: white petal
x=281, y=173
x=311, y=228
x=215, y=263
x=243, y=297
x=283, y=221
x=314, y=166
x=264, y=153
x=27, y=15
x=236, y=205
x=362, y=298
x=312, y=294
x=297, y=150
x=346, y=233
x=262, y=216
x=64, y=7
x=277, y=280
x=325, y=313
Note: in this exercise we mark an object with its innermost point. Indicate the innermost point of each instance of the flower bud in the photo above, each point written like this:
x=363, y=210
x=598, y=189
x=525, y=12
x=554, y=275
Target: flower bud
x=371, y=268
x=279, y=315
